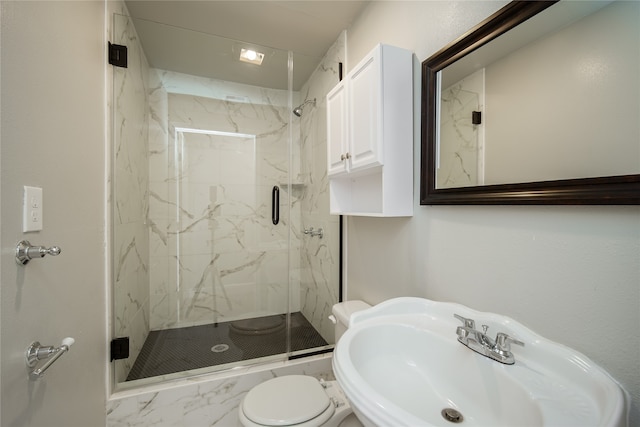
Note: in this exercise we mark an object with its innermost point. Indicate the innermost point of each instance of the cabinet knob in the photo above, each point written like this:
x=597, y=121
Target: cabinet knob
x=342, y=157
x=348, y=156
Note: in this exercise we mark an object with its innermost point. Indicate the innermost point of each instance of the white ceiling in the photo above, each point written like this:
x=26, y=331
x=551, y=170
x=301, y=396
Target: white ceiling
x=203, y=38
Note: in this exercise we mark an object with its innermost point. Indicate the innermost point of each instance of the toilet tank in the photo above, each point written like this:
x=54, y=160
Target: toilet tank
x=342, y=313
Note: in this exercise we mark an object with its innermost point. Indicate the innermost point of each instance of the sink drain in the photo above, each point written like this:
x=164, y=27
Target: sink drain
x=219, y=348
x=451, y=415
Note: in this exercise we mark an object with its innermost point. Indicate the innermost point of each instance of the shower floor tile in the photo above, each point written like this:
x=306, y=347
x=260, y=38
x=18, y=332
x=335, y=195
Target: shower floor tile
x=182, y=349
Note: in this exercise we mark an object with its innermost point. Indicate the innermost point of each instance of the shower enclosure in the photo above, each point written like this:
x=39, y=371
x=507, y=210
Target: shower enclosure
x=210, y=197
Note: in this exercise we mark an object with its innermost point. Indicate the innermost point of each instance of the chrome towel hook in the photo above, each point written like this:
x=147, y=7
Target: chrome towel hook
x=25, y=252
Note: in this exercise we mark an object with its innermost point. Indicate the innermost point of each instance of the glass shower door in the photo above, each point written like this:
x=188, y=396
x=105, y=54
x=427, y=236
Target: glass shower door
x=219, y=265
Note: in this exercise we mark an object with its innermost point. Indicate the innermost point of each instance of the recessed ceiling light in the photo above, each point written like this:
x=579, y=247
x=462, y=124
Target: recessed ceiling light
x=251, y=56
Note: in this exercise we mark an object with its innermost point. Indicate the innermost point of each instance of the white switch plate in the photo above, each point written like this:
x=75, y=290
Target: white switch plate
x=32, y=209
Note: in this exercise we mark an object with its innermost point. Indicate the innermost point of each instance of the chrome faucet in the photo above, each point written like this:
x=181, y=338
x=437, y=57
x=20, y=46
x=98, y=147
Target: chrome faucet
x=319, y=232
x=498, y=349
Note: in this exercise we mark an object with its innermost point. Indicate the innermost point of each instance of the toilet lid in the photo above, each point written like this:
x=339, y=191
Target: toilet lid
x=292, y=399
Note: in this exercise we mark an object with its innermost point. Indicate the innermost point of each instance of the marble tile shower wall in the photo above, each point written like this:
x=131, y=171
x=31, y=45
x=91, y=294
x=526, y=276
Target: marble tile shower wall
x=210, y=203
x=129, y=199
x=320, y=258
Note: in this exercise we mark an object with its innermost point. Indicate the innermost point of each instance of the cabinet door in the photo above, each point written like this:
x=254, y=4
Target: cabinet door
x=364, y=115
x=337, y=130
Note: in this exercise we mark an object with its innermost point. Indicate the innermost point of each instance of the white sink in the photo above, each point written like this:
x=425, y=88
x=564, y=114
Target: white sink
x=400, y=364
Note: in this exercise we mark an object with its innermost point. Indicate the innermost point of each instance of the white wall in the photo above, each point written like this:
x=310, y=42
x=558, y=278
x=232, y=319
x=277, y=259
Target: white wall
x=53, y=136
x=570, y=273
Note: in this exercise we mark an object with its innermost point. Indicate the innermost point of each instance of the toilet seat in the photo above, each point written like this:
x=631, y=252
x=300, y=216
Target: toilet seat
x=290, y=400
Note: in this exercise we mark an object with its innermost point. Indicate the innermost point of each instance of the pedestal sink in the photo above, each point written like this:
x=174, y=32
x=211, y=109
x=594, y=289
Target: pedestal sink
x=400, y=364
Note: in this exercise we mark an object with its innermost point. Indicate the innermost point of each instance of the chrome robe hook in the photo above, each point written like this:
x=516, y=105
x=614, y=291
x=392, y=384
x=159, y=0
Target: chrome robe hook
x=25, y=252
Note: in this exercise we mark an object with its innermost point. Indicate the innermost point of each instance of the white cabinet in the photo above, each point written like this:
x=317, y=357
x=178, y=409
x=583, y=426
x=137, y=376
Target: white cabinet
x=352, y=111
x=370, y=136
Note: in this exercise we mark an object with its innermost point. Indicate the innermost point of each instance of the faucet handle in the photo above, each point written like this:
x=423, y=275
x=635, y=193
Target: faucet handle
x=462, y=332
x=468, y=323
x=504, y=341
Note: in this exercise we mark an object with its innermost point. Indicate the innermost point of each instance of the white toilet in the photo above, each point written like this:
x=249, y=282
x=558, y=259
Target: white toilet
x=302, y=400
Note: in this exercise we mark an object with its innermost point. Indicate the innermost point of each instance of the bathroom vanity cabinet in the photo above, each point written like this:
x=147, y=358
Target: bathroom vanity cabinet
x=370, y=136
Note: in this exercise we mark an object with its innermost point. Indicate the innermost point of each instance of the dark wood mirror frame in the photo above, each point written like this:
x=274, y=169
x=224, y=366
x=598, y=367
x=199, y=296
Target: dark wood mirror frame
x=611, y=190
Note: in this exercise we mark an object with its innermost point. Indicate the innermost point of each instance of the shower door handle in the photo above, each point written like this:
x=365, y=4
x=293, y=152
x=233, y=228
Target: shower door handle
x=275, y=205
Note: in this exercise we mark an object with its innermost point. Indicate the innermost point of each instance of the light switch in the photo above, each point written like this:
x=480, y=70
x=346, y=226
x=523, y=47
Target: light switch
x=32, y=209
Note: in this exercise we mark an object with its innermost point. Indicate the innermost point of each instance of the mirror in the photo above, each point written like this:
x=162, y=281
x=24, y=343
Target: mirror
x=539, y=104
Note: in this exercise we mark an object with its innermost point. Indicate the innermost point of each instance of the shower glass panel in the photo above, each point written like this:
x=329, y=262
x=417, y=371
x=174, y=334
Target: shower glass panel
x=204, y=277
